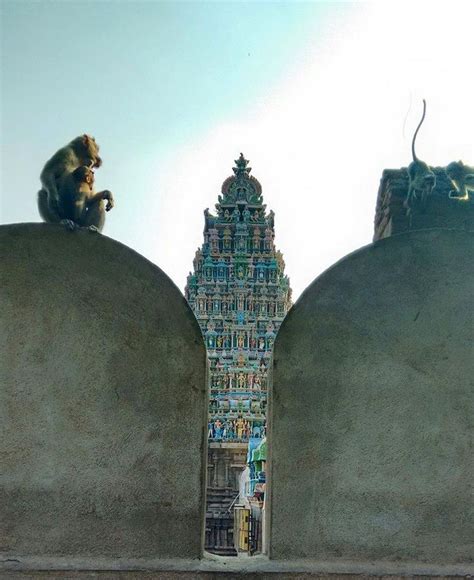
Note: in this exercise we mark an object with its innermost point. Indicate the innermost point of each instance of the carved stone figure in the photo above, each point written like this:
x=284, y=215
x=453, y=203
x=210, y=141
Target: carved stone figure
x=218, y=429
x=240, y=427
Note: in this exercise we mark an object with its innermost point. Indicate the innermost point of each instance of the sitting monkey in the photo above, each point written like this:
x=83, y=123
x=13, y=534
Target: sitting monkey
x=422, y=178
x=462, y=178
x=80, y=151
x=79, y=205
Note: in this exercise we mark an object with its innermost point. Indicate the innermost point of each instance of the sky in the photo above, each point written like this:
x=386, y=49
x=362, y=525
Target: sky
x=320, y=96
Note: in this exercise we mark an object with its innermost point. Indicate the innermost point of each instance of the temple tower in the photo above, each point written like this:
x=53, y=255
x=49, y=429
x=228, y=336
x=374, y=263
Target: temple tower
x=240, y=295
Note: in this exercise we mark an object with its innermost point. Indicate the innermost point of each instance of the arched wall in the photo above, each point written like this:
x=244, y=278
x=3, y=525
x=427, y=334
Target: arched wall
x=372, y=406
x=102, y=402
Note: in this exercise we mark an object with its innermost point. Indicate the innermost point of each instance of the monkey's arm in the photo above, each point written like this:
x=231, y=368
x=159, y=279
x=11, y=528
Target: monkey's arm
x=49, y=183
x=106, y=194
x=60, y=165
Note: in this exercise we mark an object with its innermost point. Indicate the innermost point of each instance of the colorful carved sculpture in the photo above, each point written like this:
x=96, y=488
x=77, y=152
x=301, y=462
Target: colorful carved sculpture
x=240, y=295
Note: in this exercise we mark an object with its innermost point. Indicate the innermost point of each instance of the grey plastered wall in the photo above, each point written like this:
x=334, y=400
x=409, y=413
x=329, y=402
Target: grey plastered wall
x=372, y=407
x=102, y=402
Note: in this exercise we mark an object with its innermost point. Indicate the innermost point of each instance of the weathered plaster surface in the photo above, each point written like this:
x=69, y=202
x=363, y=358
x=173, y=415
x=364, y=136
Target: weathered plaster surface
x=372, y=407
x=102, y=402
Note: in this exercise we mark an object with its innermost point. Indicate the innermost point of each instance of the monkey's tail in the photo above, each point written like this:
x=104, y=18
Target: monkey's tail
x=415, y=158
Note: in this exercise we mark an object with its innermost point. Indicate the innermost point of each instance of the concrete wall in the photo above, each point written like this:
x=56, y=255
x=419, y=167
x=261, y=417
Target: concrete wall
x=102, y=402
x=372, y=403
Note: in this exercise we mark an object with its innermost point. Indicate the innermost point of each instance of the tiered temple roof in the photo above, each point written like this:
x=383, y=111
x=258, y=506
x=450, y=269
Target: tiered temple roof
x=240, y=295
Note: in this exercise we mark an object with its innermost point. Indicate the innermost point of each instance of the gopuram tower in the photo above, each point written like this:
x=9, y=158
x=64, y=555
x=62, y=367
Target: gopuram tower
x=240, y=295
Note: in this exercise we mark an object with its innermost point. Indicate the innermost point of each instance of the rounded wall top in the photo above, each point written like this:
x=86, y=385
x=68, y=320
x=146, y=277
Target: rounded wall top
x=104, y=392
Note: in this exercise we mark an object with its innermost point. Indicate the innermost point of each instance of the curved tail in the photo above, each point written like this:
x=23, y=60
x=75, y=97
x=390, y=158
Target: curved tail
x=415, y=158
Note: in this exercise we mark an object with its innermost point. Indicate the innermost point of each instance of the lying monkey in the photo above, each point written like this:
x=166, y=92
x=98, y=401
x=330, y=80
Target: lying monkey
x=79, y=205
x=422, y=178
x=82, y=151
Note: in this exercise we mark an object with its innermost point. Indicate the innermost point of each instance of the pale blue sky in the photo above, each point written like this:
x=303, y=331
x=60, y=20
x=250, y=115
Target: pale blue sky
x=143, y=77
x=321, y=97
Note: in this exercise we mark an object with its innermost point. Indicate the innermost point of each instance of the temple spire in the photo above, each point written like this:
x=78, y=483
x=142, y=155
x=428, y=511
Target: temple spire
x=241, y=166
x=240, y=294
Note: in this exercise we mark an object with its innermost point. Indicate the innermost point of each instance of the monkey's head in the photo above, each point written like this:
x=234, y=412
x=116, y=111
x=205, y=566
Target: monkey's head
x=86, y=148
x=462, y=178
x=84, y=174
x=458, y=170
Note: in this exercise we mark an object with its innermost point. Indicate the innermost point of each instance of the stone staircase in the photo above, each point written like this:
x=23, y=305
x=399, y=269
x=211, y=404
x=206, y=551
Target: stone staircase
x=220, y=521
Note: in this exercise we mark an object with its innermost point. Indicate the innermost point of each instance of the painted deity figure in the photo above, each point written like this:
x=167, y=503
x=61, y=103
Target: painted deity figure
x=240, y=427
x=229, y=430
x=218, y=429
x=246, y=429
x=241, y=380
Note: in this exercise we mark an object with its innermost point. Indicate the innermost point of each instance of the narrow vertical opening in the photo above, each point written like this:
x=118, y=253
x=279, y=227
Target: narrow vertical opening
x=240, y=294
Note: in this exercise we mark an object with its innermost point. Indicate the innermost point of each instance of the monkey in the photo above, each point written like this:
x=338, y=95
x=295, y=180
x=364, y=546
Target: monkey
x=422, y=179
x=82, y=150
x=79, y=205
x=462, y=179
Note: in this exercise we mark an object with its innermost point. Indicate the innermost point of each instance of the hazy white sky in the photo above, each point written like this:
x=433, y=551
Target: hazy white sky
x=321, y=97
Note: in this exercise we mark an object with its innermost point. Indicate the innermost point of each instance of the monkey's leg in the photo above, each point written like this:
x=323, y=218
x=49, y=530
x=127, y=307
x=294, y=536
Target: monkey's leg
x=95, y=216
x=47, y=212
